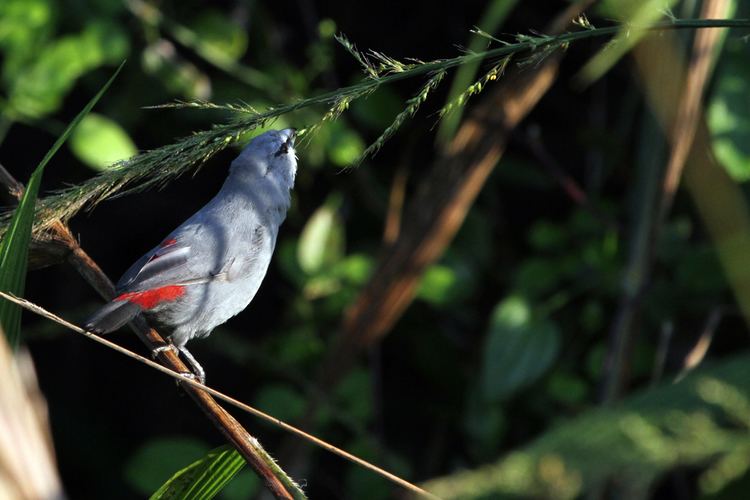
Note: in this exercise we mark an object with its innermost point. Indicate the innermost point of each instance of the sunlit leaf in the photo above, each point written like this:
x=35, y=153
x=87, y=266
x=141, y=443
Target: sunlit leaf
x=637, y=16
x=688, y=424
x=729, y=113
x=204, y=478
x=518, y=350
x=41, y=86
x=14, y=246
x=99, y=142
x=25, y=26
x=215, y=32
x=354, y=269
x=322, y=240
x=436, y=285
x=345, y=146
x=447, y=283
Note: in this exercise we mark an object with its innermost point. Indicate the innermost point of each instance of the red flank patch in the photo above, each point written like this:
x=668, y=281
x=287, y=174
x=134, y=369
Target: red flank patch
x=150, y=298
x=167, y=243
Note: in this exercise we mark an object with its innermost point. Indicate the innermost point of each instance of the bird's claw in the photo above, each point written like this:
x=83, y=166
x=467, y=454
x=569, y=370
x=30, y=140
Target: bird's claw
x=163, y=348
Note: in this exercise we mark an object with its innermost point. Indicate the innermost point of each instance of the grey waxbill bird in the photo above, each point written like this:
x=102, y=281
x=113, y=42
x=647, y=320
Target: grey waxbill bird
x=210, y=267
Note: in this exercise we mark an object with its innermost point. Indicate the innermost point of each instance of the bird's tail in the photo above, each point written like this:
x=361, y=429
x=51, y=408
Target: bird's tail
x=112, y=316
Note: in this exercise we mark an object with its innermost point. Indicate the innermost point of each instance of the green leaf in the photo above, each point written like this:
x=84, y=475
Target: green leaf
x=218, y=36
x=100, y=142
x=449, y=282
x=355, y=269
x=24, y=26
x=636, y=16
x=696, y=423
x=518, y=350
x=204, y=478
x=436, y=285
x=40, y=87
x=345, y=146
x=322, y=240
x=14, y=246
x=729, y=113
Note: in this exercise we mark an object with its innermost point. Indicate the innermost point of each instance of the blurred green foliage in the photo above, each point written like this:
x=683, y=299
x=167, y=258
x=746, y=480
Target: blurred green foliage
x=728, y=112
x=702, y=420
x=499, y=361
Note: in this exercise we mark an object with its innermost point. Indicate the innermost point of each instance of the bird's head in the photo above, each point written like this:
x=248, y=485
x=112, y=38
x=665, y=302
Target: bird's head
x=270, y=155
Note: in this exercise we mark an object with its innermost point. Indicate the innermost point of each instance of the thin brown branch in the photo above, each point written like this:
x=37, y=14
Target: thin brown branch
x=190, y=381
x=395, y=207
x=690, y=110
x=275, y=479
x=700, y=349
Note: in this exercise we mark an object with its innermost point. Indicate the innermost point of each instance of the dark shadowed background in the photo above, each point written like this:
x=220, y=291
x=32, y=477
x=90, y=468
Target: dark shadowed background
x=509, y=332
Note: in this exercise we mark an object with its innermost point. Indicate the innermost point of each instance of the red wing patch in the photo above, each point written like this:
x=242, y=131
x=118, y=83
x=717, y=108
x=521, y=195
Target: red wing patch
x=151, y=298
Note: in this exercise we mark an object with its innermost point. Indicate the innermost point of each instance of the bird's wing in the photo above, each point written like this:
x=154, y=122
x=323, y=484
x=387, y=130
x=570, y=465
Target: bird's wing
x=170, y=263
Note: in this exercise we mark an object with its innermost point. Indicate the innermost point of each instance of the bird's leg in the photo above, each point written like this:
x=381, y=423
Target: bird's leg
x=198, y=371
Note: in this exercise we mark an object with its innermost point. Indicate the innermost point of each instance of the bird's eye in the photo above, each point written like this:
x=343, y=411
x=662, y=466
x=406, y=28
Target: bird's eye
x=284, y=149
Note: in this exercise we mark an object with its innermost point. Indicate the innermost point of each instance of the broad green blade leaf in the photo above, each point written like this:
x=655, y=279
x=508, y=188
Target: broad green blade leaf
x=729, y=112
x=15, y=245
x=637, y=16
x=100, y=142
x=519, y=349
x=203, y=479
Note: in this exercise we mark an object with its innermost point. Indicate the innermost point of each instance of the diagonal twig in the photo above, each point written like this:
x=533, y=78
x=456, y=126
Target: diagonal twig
x=275, y=479
x=184, y=378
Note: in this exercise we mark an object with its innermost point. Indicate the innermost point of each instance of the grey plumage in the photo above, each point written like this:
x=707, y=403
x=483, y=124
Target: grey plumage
x=210, y=267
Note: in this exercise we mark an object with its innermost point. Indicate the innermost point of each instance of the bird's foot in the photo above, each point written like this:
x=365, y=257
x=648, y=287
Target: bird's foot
x=198, y=371
x=163, y=348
